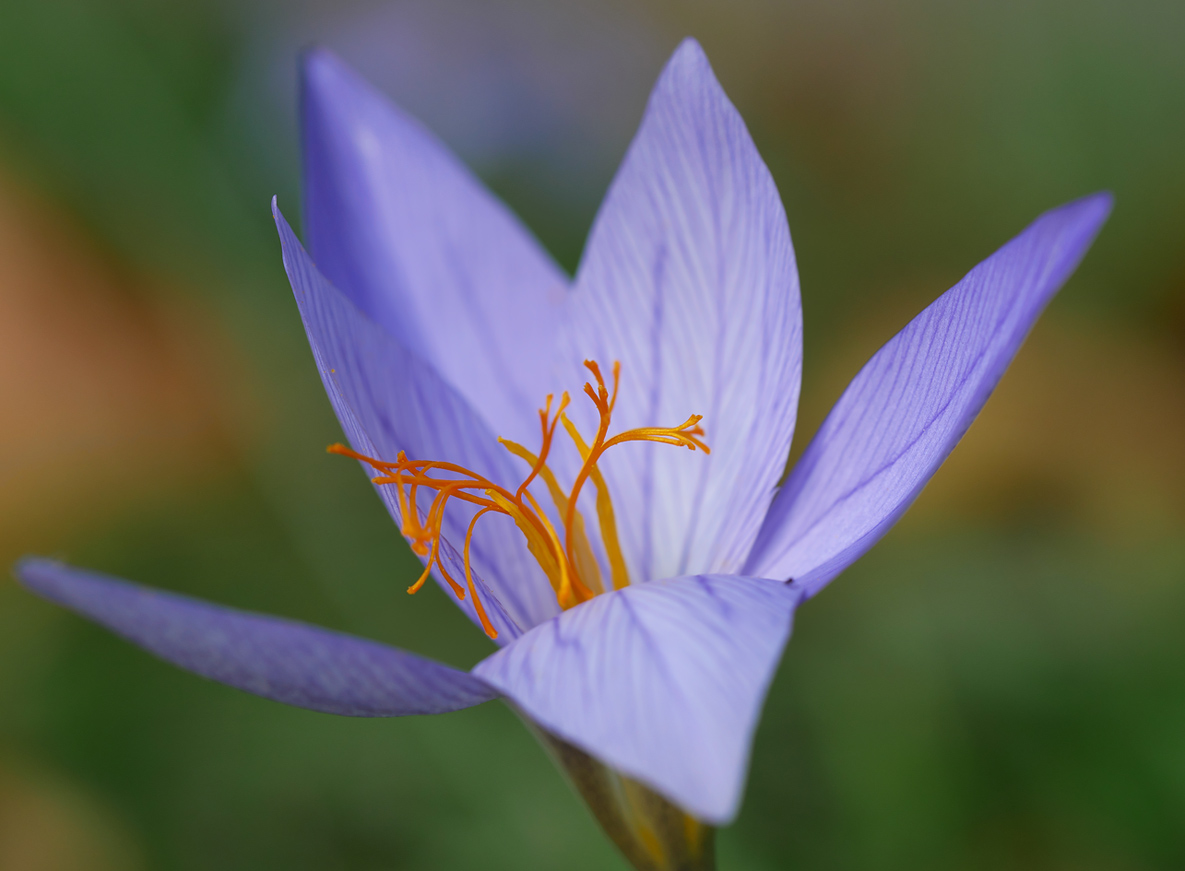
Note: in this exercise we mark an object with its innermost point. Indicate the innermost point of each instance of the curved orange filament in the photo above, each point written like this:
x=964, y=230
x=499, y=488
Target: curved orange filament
x=569, y=564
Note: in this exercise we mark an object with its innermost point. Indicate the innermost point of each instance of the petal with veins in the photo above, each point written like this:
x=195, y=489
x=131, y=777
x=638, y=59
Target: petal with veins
x=689, y=280
x=663, y=681
x=911, y=403
x=278, y=659
x=401, y=227
x=389, y=400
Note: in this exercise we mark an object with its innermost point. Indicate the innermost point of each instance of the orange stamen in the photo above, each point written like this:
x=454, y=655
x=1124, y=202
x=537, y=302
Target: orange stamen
x=569, y=564
x=477, y=606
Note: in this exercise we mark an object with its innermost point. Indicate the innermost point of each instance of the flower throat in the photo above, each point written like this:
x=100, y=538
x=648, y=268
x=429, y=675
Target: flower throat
x=567, y=560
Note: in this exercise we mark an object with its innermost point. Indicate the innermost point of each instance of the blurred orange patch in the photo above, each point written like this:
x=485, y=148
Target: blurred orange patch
x=105, y=398
x=46, y=825
x=1087, y=424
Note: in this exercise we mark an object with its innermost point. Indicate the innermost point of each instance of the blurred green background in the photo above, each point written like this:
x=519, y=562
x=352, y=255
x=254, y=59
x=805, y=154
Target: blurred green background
x=1000, y=684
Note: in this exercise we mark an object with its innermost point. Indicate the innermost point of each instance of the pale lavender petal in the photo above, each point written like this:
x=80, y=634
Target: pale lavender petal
x=389, y=400
x=401, y=227
x=278, y=659
x=689, y=280
x=908, y=407
x=663, y=681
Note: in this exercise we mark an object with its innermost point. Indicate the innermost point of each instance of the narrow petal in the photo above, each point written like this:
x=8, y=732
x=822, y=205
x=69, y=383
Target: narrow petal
x=908, y=407
x=401, y=227
x=387, y=400
x=278, y=659
x=689, y=280
x=663, y=681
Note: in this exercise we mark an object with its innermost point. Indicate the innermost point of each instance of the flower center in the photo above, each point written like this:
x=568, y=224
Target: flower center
x=567, y=560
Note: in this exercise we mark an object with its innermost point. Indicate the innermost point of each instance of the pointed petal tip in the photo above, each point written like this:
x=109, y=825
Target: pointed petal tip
x=40, y=575
x=1092, y=210
x=689, y=49
x=314, y=54
x=277, y=215
x=25, y=567
x=25, y=562
x=1101, y=204
x=1105, y=199
x=329, y=88
x=291, y=251
x=332, y=88
x=318, y=65
x=688, y=64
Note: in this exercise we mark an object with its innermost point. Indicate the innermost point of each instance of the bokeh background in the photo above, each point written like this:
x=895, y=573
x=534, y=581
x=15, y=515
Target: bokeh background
x=1000, y=684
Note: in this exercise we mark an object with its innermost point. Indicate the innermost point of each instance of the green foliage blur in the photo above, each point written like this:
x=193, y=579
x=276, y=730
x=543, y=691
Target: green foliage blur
x=1000, y=684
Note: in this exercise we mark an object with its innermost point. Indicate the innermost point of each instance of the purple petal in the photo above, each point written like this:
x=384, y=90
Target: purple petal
x=908, y=407
x=689, y=280
x=389, y=400
x=405, y=231
x=663, y=681
x=278, y=659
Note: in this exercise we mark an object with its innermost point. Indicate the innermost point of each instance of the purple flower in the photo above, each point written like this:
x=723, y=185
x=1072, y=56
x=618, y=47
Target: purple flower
x=438, y=325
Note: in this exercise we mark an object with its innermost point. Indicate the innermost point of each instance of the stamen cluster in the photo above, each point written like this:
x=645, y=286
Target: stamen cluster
x=568, y=562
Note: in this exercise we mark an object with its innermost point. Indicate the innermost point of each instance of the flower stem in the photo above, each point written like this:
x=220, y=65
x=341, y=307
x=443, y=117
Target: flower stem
x=651, y=832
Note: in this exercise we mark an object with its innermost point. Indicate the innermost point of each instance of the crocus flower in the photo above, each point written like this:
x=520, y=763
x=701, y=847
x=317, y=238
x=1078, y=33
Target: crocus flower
x=640, y=588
